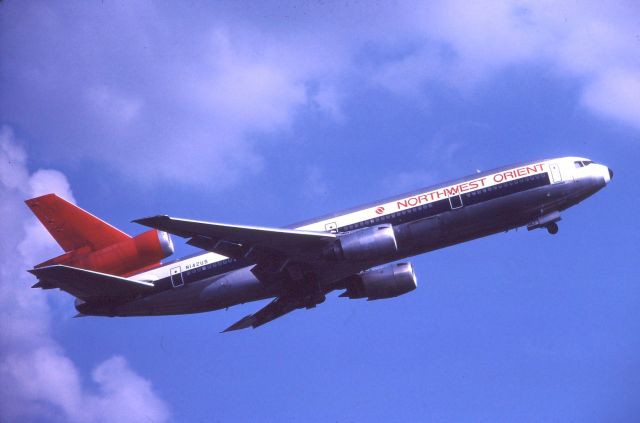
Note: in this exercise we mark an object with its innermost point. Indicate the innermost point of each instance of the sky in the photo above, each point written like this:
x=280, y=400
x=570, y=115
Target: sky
x=268, y=113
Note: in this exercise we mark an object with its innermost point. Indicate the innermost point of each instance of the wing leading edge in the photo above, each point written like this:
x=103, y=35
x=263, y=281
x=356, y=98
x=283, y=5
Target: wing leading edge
x=220, y=237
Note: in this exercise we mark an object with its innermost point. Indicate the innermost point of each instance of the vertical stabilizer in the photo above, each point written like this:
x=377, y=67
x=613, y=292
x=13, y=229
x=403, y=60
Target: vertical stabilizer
x=72, y=227
x=92, y=244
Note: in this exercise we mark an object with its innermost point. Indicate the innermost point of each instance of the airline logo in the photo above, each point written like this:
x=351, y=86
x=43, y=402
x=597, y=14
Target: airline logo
x=467, y=186
x=430, y=196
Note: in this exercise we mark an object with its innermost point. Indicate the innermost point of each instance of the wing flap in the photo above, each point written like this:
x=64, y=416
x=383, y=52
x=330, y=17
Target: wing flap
x=88, y=285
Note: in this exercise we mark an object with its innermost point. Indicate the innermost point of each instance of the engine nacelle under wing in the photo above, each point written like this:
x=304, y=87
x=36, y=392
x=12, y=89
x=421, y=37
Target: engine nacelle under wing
x=382, y=282
x=364, y=244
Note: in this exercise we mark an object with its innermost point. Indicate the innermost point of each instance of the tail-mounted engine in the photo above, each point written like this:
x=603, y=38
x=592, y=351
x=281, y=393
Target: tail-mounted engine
x=92, y=244
x=131, y=255
x=364, y=244
x=383, y=282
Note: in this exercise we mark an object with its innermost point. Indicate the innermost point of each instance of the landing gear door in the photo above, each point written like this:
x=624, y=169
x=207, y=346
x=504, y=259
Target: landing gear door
x=176, y=277
x=555, y=173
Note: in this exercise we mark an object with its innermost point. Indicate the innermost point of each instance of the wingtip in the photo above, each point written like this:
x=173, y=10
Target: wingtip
x=245, y=322
x=40, y=270
x=43, y=285
x=232, y=328
x=150, y=220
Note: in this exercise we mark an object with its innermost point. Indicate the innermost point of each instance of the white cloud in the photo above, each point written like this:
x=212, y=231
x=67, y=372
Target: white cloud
x=111, y=83
x=46, y=181
x=248, y=87
x=118, y=384
x=38, y=380
x=46, y=384
x=116, y=108
x=615, y=94
x=140, y=87
x=12, y=167
x=466, y=43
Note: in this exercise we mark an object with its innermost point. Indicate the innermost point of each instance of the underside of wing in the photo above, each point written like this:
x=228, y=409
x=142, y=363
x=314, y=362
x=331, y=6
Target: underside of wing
x=89, y=285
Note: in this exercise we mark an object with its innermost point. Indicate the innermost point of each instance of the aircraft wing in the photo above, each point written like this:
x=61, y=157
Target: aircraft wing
x=239, y=241
x=88, y=285
x=276, y=308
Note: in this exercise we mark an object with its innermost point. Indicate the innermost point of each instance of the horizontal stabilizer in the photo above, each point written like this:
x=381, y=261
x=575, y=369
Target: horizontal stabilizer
x=88, y=285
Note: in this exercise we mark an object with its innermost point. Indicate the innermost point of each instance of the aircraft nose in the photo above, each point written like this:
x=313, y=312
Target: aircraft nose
x=606, y=173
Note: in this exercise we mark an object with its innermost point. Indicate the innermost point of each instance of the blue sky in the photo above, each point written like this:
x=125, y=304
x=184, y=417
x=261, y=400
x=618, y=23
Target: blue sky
x=270, y=113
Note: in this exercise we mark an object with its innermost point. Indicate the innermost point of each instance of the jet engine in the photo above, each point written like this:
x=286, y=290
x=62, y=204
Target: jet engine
x=383, y=282
x=374, y=242
x=125, y=257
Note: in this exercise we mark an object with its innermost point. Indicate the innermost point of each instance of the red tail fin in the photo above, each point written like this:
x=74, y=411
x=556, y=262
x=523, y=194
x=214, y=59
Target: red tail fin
x=73, y=227
x=91, y=243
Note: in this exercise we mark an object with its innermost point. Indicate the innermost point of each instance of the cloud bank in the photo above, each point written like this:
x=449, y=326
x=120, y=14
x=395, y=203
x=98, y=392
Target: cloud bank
x=166, y=92
x=592, y=43
x=38, y=381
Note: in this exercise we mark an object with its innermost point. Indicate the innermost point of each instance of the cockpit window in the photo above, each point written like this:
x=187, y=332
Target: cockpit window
x=582, y=163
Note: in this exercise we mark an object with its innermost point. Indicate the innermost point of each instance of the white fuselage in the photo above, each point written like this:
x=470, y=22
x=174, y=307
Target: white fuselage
x=424, y=220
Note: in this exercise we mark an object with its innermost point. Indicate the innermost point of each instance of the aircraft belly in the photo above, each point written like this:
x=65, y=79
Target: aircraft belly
x=234, y=288
x=209, y=294
x=470, y=222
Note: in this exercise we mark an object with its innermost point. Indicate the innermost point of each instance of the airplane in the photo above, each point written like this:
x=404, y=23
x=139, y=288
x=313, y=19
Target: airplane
x=359, y=251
